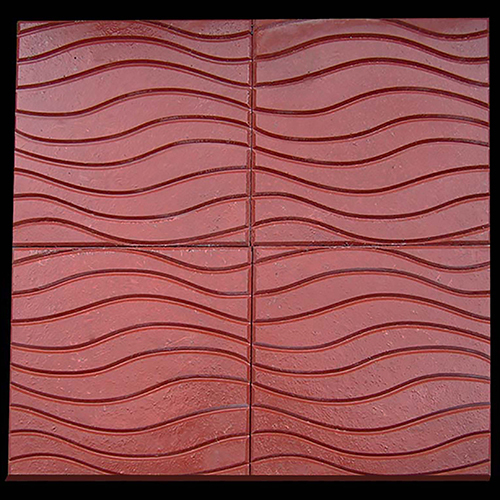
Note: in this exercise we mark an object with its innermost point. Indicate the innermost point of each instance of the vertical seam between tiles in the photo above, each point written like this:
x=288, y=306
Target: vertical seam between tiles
x=251, y=237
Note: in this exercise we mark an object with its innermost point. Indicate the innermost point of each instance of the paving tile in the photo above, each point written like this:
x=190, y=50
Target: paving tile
x=371, y=131
x=371, y=360
x=251, y=247
x=130, y=361
x=132, y=133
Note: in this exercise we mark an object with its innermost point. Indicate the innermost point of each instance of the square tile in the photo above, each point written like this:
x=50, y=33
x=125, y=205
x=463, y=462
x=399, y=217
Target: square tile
x=371, y=131
x=130, y=361
x=132, y=133
x=371, y=361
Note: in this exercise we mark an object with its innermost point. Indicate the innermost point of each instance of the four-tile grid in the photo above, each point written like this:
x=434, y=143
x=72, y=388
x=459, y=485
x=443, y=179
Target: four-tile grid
x=251, y=247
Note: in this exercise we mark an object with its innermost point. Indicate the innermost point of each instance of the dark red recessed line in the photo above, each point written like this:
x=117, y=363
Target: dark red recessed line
x=134, y=94
x=132, y=38
x=117, y=399
x=371, y=36
x=167, y=27
x=139, y=251
x=388, y=455
x=382, y=126
x=351, y=215
x=393, y=187
x=308, y=458
x=376, y=430
x=396, y=388
x=390, y=251
x=201, y=36
x=368, y=270
x=133, y=159
x=436, y=34
x=142, y=126
x=373, y=61
x=126, y=297
x=342, y=232
x=402, y=24
x=375, y=296
x=133, y=63
x=128, y=272
x=60, y=201
x=117, y=239
x=64, y=458
x=92, y=428
x=362, y=161
x=211, y=351
x=125, y=456
x=376, y=93
x=152, y=187
x=379, y=356
x=373, y=329
x=130, y=329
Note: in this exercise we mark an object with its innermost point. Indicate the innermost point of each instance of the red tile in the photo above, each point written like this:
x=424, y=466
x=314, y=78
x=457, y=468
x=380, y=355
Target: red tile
x=348, y=332
x=371, y=361
x=132, y=133
x=371, y=131
x=129, y=361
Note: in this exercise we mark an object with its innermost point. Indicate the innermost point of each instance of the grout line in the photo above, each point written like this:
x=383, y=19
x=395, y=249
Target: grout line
x=251, y=238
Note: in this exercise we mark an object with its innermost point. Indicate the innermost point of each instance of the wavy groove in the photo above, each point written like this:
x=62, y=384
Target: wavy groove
x=132, y=329
x=119, y=239
x=387, y=154
x=212, y=351
x=132, y=296
x=120, y=399
x=376, y=93
x=349, y=234
x=381, y=394
x=373, y=61
x=170, y=215
x=382, y=429
x=133, y=63
x=383, y=456
x=375, y=37
x=132, y=159
x=383, y=126
x=392, y=353
x=63, y=458
x=350, y=470
x=376, y=328
x=125, y=456
x=135, y=94
x=128, y=192
x=436, y=34
x=133, y=272
x=142, y=126
x=367, y=270
x=436, y=208
x=389, y=251
x=140, y=251
x=376, y=296
x=384, y=189
x=200, y=36
x=131, y=38
x=135, y=430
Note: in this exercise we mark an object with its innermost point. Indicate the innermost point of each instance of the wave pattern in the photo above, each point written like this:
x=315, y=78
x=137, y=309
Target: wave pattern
x=384, y=387
x=132, y=133
x=255, y=247
x=149, y=385
x=381, y=117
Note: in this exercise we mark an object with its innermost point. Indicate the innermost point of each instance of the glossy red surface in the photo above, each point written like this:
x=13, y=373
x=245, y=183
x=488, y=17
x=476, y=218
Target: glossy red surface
x=255, y=247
